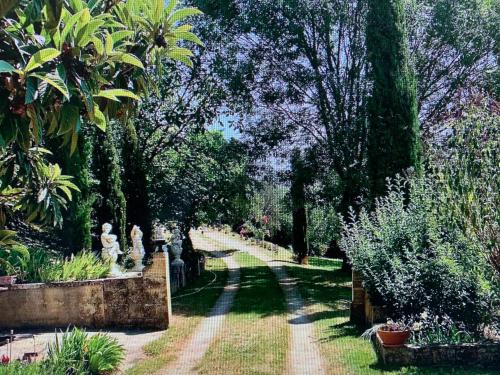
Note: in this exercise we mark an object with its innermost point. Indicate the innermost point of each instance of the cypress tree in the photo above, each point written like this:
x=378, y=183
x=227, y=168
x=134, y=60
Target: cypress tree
x=77, y=224
x=298, y=198
x=135, y=185
x=110, y=204
x=393, y=137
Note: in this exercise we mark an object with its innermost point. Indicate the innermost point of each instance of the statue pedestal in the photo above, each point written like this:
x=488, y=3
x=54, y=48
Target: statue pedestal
x=115, y=270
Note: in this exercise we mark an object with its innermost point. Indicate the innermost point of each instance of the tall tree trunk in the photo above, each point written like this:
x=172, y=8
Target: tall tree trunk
x=297, y=192
x=394, y=135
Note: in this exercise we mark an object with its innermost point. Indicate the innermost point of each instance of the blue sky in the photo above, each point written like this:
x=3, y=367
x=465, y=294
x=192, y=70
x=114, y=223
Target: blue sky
x=223, y=123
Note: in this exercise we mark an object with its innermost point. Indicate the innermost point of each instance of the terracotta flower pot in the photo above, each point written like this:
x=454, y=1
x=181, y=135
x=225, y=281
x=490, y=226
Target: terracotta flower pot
x=7, y=280
x=393, y=337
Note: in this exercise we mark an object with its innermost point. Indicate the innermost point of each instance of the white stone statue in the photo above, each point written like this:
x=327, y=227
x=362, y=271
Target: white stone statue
x=176, y=247
x=159, y=232
x=137, y=253
x=110, y=249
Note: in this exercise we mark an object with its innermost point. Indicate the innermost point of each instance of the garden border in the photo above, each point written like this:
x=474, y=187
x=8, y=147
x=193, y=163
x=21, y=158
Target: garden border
x=142, y=301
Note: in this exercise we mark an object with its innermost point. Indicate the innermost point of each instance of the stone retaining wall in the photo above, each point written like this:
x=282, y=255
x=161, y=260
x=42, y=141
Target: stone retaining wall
x=141, y=301
x=485, y=354
x=363, y=312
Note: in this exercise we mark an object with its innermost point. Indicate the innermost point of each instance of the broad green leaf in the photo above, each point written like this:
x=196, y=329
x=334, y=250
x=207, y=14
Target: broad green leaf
x=127, y=58
x=176, y=52
x=180, y=14
x=87, y=94
x=108, y=44
x=85, y=34
x=98, y=45
x=119, y=35
x=76, y=4
x=66, y=191
x=41, y=57
x=53, y=80
x=189, y=36
x=74, y=143
x=183, y=59
x=157, y=10
x=56, y=37
x=70, y=115
x=171, y=6
x=5, y=67
x=31, y=90
x=99, y=119
x=183, y=28
x=113, y=94
x=83, y=20
x=69, y=25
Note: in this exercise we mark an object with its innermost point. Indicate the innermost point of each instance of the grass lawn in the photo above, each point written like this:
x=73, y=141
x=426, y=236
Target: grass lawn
x=254, y=338
x=327, y=292
x=188, y=313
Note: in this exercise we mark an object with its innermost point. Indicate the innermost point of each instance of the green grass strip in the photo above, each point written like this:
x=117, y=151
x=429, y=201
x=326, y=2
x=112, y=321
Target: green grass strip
x=254, y=339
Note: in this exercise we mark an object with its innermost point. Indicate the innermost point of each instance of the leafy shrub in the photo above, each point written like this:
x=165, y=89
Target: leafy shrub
x=69, y=353
x=44, y=267
x=323, y=226
x=104, y=354
x=466, y=167
x=78, y=353
x=410, y=261
x=12, y=259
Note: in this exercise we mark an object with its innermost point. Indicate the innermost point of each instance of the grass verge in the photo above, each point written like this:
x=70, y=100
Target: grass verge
x=254, y=338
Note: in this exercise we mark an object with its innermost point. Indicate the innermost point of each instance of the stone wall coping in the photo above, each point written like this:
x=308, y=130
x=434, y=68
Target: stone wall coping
x=70, y=284
x=485, y=353
x=481, y=344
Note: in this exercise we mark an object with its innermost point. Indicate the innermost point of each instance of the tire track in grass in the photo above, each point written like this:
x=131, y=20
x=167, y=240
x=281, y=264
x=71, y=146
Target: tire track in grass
x=200, y=341
x=254, y=339
x=304, y=355
x=188, y=313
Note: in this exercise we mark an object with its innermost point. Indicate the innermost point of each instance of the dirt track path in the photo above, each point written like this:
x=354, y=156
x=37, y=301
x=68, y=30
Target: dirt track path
x=304, y=356
x=204, y=335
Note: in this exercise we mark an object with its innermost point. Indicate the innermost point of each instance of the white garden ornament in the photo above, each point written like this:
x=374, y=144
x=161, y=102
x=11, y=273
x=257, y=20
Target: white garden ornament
x=110, y=249
x=137, y=253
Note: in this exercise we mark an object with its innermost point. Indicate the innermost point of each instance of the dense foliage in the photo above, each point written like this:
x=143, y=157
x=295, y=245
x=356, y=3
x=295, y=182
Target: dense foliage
x=64, y=64
x=412, y=261
x=394, y=133
x=468, y=176
x=298, y=74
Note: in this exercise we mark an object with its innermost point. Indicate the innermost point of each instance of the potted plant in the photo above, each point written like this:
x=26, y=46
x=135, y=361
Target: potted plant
x=391, y=334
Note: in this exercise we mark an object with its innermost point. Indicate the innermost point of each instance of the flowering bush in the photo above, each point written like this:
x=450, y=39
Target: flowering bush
x=411, y=261
x=432, y=329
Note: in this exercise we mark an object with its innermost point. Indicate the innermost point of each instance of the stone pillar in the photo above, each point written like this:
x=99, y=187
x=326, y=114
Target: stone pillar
x=178, y=276
x=158, y=301
x=358, y=299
